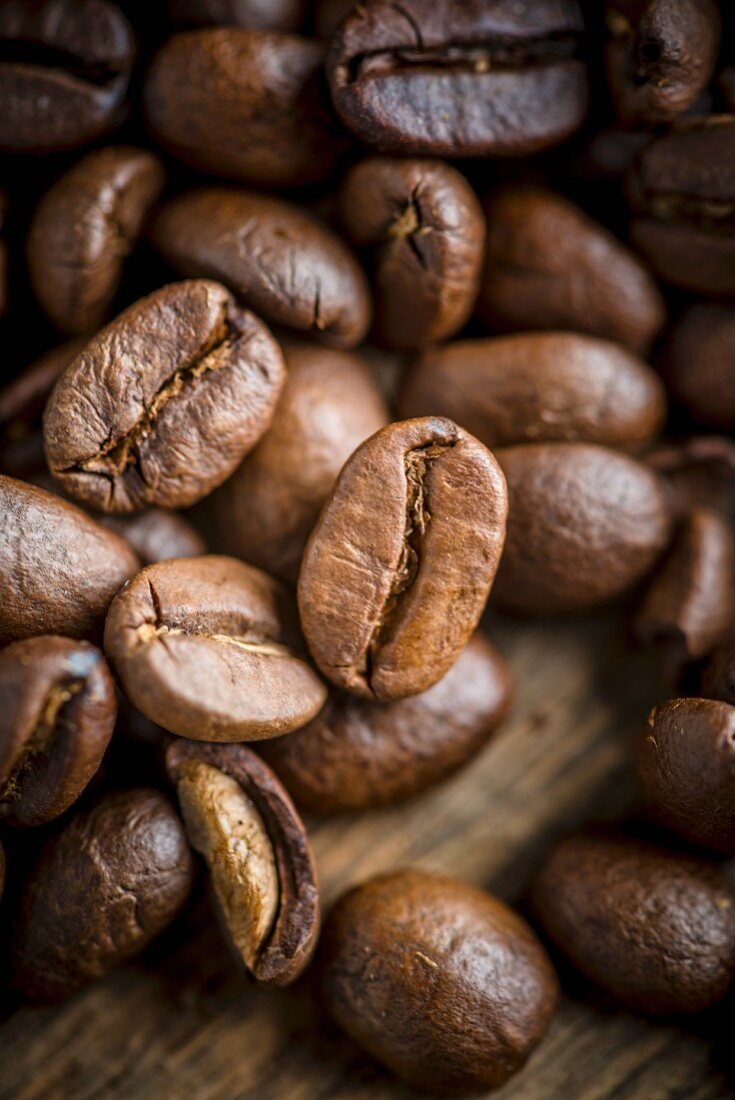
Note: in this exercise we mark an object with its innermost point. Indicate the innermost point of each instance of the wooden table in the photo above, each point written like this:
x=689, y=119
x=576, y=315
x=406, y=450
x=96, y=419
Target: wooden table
x=180, y=1024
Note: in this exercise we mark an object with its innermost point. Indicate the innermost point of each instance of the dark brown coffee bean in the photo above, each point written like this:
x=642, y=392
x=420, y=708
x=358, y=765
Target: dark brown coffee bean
x=439, y=980
x=690, y=604
x=84, y=228
x=654, y=928
x=247, y=105
x=57, y=714
x=424, y=228
x=585, y=523
x=164, y=402
x=268, y=15
x=698, y=471
x=357, y=754
x=208, y=648
x=398, y=568
x=685, y=760
x=459, y=77
x=58, y=568
x=240, y=819
x=539, y=387
x=661, y=54
x=275, y=257
x=267, y=509
x=718, y=675
x=700, y=363
x=99, y=893
x=156, y=535
x=550, y=266
x=64, y=72
x=682, y=190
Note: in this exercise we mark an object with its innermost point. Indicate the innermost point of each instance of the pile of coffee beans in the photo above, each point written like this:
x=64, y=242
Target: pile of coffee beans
x=407, y=306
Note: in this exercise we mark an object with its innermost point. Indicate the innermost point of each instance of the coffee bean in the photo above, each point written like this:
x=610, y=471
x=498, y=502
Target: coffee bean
x=654, y=928
x=459, y=78
x=83, y=229
x=240, y=819
x=398, y=568
x=690, y=604
x=156, y=535
x=700, y=363
x=247, y=105
x=64, y=72
x=164, y=402
x=274, y=256
x=550, y=266
x=424, y=229
x=539, y=387
x=57, y=714
x=699, y=470
x=100, y=892
x=270, y=15
x=58, y=568
x=661, y=54
x=438, y=980
x=267, y=509
x=208, y=648
x=585, y=524
x=357, y=754
x=718, y=675
x=682, y=191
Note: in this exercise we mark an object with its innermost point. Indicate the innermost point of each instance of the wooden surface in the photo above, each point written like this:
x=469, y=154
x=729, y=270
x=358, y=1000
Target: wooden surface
x=180, y=1022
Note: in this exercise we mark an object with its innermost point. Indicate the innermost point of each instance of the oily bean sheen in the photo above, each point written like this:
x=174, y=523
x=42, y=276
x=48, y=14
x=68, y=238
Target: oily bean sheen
x=269, y=15
x=539, y=387
x=398, y=568
x=265, y=512
x=156, y=535
x=550, y=266
x=682, y=191
x=57, y=713
x=247, y=105
x=460, y=77
x=654, y=928
x=164, y=402
x=208, y=648
x=357, y=754
x=718, y=675
x=100, y=892
x=685, y=762
x=275, y=257
x=84, y=228
x=700, y=363
x=698, y=471
x=241, y=820
x=660, y=55
x=423, y=228
x=64, y=72
x=438, y=980
x=585, y=523
x=58, y=568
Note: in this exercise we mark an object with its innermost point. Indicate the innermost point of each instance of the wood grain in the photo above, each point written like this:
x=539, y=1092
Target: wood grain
x=181, y=1023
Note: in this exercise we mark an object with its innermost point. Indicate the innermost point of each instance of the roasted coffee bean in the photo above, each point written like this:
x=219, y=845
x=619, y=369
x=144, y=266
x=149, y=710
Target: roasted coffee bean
x=267, y=509
x=439, y=980
x=654, y=928
x=585, y=523
x=550, y=266
x=100, y=892
x=84, y=228
x=64, y=72
x=58, y=568
x=240, y=819
x=269, y=15
x=163, y=404
x=357, y=754
x=275, y=257
x=700, y=363
x=459, y=78
x=539, y=387
x=718, y=675
x=424, y=228
x=661, y=54
x=57, y=714
x=682, y=189
x=247, y=105
x=698, y=471
x=208, y=648
x=156, y=535
x=685, y=761
x=690, y=604
x=398, y=568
